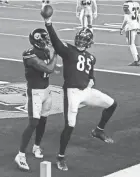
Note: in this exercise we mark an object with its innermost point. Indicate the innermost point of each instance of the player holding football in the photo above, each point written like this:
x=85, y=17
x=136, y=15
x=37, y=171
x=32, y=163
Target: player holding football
x=86, y=10
x=78, y=66
x=131, y=25
x=39, y=62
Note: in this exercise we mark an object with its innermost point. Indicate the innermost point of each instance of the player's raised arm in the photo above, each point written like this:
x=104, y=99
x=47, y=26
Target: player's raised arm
x=39, y=64
x=56, y=42
x=46, y=13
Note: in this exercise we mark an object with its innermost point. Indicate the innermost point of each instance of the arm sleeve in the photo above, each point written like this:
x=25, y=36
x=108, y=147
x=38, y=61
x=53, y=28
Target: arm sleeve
x=58, y=45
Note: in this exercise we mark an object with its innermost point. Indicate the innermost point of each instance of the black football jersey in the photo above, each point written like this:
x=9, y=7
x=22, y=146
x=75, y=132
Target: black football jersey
x=77, y=65
x=35, y=79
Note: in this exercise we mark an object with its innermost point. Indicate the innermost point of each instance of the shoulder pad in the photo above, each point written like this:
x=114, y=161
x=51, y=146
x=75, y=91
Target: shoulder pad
x=28, y=54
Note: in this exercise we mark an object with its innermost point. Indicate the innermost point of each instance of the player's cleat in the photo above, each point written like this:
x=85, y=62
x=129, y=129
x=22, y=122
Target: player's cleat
x=37, y=151
x=135, y=63
x=61, y=164
x=138, y=58
x=101, y=135
x=21, y=162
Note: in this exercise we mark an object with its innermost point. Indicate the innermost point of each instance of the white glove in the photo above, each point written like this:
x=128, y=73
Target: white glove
x=48, y=20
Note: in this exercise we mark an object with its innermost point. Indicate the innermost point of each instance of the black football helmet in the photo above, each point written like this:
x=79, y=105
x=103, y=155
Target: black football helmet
x=39, y=38
x=84, y=39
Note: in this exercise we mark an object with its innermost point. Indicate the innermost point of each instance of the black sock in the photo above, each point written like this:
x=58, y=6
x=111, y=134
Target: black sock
x=106, y=115
x=40, y=129
x=64, y=139
x=26, y=136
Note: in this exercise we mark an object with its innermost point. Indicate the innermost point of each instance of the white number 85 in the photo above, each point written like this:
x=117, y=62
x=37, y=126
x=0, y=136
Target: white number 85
x=82, y=64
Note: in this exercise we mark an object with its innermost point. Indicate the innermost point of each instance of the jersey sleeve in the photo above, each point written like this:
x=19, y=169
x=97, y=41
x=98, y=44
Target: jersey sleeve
x=28, y=54
x=126, y=17
x=58, y=45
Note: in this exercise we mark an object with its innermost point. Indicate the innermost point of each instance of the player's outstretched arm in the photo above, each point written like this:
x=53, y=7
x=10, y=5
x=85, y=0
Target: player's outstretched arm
x=58, y=45
x=41, y=65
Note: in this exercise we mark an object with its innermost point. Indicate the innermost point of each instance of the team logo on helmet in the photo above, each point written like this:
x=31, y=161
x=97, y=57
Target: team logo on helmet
x=39, y=38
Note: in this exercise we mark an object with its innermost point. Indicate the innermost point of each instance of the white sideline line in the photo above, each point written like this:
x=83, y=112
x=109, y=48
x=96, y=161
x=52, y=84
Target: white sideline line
x=133, y=171
x=95, y=28
x=3, y=82
x=55, y=22
x=41, y=21
x=111, y=14
x=74, y=2
x=111, y=5
x=96, y=69
x=37, y=21
x=68, y=40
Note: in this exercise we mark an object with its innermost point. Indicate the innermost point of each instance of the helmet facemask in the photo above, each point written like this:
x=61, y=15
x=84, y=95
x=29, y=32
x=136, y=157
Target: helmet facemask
x=83, y=39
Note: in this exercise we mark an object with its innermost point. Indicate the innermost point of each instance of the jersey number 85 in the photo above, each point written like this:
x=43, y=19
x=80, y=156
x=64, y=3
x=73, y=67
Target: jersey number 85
x=83, y=64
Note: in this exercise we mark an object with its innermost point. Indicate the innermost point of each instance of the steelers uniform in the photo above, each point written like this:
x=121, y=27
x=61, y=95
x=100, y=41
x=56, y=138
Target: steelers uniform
x=78, y=69
x=38, y=93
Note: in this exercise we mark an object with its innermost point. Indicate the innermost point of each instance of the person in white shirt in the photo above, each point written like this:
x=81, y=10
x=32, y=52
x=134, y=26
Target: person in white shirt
x=131, y=26
x=86, y=10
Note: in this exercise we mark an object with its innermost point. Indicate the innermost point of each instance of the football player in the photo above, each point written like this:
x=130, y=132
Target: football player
x=131, y=26
x=86, y=10
x=79, y=78
x=39, y=62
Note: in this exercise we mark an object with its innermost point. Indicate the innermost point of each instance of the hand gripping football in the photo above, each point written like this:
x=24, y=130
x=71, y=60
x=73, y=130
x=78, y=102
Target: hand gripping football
x=46, y=11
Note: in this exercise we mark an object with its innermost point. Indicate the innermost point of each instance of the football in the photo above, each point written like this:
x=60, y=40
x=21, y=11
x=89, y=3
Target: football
x=46, y=11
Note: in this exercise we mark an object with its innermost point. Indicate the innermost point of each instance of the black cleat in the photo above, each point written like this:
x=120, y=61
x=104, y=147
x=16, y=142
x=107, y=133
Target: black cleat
x=138, y=58
x=61, y=164
x=135, y=63
x=101, y=135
